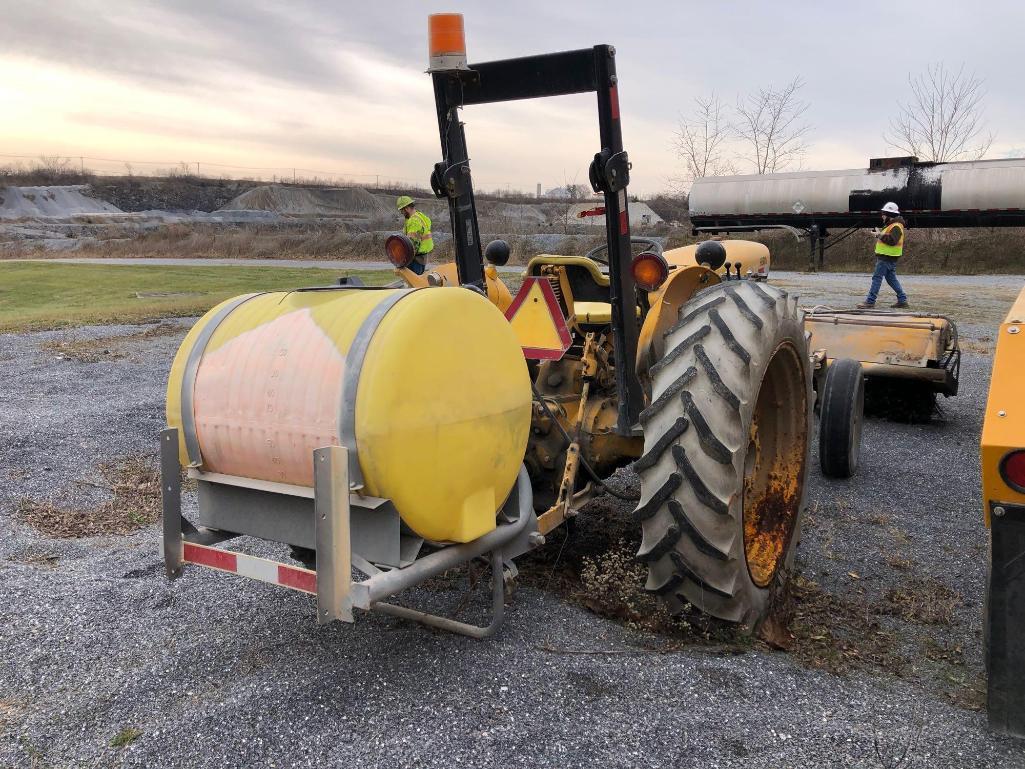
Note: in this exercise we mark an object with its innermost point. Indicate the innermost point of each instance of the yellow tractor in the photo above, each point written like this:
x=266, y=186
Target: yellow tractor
x=403, y=431
x=1003, y=496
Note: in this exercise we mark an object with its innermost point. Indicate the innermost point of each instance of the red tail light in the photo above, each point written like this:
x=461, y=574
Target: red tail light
x=1012, y=470
x=650, y=270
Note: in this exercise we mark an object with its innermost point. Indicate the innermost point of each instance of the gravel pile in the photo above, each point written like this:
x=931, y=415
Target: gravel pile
x=97, y=647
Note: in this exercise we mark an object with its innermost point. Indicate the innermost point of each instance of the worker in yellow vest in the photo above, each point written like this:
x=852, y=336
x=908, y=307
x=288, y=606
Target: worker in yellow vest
x=889, y=247
x=418, y=230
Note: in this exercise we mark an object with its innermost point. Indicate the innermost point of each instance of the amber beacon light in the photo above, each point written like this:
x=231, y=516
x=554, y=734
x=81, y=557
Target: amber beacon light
x=447, y=42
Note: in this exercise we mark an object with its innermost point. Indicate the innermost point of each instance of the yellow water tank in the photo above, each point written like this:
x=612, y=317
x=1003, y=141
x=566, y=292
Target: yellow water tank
x=428, y=385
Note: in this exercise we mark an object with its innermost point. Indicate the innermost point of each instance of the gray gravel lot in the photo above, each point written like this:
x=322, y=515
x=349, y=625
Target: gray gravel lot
x=221, y=672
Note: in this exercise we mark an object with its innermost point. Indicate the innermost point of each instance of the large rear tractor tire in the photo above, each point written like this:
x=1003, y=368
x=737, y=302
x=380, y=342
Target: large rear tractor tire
x=840, y=417
x=726, y=452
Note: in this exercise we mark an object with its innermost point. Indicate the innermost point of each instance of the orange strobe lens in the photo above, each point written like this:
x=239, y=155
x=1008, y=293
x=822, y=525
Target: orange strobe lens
x=447, y=43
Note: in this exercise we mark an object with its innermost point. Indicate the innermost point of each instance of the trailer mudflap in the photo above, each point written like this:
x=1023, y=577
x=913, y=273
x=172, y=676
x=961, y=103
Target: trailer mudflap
x=1005, y=620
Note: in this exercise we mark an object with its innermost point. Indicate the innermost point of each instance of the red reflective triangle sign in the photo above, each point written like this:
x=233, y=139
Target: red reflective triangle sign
x=538, y=322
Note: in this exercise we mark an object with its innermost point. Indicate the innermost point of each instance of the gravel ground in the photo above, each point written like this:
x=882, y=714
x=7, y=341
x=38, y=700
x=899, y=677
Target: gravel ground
x=216, y=671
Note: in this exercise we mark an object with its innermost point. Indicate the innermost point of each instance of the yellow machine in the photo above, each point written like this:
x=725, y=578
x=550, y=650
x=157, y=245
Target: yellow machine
x=740, y=258
x=914, y=354
x=1003, y=496
x=404, y=431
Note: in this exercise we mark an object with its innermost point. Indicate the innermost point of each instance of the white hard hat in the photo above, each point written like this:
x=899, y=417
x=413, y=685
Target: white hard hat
x=891, y=208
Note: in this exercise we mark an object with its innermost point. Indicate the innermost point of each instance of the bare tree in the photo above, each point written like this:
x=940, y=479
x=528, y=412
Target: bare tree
x=54, y=165
x=702, y=137
x=770, y=123
x=943, y=120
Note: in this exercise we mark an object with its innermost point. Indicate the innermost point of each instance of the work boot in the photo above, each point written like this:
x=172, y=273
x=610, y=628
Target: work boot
x=900, y=305
x=866, y=305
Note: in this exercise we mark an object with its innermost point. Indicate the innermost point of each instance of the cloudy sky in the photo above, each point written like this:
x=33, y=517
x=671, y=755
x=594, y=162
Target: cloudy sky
x=339, y=86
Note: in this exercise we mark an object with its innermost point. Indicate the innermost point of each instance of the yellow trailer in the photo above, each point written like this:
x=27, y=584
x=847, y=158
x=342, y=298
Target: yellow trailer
x=916, y=347
x=1003, y=495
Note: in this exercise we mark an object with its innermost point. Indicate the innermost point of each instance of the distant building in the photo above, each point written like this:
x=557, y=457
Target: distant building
x=593, y=213
x=559, y=193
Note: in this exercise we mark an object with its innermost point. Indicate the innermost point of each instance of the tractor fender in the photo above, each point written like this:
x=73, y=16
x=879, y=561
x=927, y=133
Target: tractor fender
x=665, y=303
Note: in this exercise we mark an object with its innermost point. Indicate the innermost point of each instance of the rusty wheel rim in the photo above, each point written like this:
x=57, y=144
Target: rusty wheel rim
x=774, y=465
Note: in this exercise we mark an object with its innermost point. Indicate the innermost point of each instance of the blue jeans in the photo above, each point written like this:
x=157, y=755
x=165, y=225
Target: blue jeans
x=885, y=268
x=417, y=266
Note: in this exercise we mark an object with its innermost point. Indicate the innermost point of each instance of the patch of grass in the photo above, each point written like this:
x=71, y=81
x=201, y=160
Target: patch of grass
x=835, y=634
x=35, y=755
x=948, y=654
x=126, y=736
x=965, y=691
x=107, y=347
x=134, y=484
x=10, y=713
x=898, y=535
x=41, y=295
x=593, y=564
x=899, y=562
x=981, y=346
x=41, y=560
x=925, y=601
x=612, y=585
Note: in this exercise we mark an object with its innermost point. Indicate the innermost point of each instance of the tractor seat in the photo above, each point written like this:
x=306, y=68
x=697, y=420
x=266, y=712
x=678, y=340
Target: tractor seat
x=595, y=313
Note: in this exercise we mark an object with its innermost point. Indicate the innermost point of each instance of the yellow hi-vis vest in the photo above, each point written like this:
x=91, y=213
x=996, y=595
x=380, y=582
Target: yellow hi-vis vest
x=891, y=252
x=418, y=229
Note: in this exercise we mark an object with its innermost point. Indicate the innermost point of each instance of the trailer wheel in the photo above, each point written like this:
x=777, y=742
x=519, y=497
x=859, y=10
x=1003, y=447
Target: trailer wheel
x=725, y=452
x=840, y=416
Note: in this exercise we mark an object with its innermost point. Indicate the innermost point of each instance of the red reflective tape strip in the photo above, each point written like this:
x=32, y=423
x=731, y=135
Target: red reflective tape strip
x=556, y=312
x=252, y=567
x=624, y=223
x=298, y=579
x=614, y=98
x=210, y=556
x=542, y=354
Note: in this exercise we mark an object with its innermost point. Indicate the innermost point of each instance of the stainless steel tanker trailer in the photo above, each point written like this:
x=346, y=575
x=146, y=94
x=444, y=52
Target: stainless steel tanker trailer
x=979, y=193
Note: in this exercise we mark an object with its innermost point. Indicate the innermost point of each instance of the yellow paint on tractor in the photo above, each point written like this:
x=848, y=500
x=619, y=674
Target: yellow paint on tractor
x=665, y=304
x=269, y=390
x=1004, y=427
x=753, y=257
x=448, y=275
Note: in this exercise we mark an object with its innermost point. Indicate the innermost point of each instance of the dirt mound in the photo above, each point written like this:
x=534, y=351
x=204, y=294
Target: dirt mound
x=168, y=193
x=493, y=213
x=517, y=212
x=305, y=201
x=53, y=202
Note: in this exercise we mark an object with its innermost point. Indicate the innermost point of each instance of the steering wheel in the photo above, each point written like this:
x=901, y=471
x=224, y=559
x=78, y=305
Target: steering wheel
x=638, y=240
